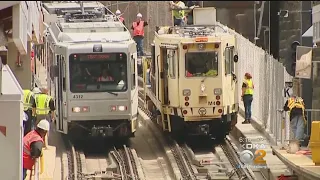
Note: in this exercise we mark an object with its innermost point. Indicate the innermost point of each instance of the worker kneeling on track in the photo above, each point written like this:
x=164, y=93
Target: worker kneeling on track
x=33, y=143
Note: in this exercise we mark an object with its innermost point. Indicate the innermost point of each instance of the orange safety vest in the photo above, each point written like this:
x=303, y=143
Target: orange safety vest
x=138, y=30
x=31, y=137
x=121, y=19
x=109, y=78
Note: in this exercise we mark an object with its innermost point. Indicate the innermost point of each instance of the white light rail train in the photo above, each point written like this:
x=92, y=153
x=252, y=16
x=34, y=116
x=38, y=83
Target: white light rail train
x=92, y=61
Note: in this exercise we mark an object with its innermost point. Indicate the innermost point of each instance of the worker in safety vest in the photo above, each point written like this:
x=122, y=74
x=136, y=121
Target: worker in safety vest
x=247, y=96
x=32, y=145
x=118, y=14
x=45, y=106
x=138, y=33
x=178, y=15
x=29, y=107
x=296, y=108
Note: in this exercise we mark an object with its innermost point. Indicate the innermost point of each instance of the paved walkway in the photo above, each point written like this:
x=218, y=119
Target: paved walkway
x=274, y=164
x=55, y=153
x=301, y=164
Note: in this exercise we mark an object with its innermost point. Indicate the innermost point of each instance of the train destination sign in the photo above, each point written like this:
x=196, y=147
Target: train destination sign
x=98, y=57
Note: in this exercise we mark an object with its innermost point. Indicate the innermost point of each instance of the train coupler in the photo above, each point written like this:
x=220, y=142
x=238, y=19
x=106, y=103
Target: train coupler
x=104, y=131
x=203, y=129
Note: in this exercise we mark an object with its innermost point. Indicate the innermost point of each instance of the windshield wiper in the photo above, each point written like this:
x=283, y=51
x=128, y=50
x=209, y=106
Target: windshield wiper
x=116, y=94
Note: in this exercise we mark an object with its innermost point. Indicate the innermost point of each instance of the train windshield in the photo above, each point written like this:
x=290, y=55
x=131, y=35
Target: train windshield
x=105, y=72
x=201, y=64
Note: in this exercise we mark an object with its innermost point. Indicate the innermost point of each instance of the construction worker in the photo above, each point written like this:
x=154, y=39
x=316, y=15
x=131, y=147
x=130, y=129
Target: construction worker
x=178, y=13
x=296, y=108
x=32, y=145
x=45, y=106
x=138, y=33
x=29, y=107
x=191, y=5
x=247, y=96
x=118, y=14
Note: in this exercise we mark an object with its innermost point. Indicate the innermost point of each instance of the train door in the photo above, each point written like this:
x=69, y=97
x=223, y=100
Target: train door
x=164, y=75
x=172, y=77
x=134, y=91
x=60, y=87
x=230, y=83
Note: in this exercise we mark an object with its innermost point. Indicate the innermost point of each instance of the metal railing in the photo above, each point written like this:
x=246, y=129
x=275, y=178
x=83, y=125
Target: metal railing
x=283, y=132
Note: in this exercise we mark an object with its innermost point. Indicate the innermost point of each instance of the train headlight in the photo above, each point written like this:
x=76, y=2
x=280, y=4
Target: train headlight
x=186, y=92
x=201, y=46
x=217, y=91
x=113, y=108
x=202, y=88
x=122, y=108
x=76, y=109
x=85, y=109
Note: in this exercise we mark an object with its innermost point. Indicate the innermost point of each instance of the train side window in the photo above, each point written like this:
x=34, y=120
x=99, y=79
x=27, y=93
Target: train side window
x=153, y=63
x=228, y=60
x=64, y=73
x=133, y=71
x=231, y=58
x=172, y=63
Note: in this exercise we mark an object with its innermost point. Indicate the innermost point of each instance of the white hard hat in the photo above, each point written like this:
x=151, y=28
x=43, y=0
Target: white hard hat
x=36, y=90
x=139, y=15
x=44, y=124
x=118, y=12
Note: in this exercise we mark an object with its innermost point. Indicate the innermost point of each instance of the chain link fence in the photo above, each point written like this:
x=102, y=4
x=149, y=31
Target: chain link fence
x=157, y=13
x=269, y=77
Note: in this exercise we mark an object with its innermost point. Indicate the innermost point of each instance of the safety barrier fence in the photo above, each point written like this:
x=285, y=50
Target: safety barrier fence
x=285, y=133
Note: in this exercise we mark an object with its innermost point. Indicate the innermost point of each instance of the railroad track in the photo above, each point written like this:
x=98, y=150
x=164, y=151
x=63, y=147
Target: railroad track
x=186, y=162
x=119, y=163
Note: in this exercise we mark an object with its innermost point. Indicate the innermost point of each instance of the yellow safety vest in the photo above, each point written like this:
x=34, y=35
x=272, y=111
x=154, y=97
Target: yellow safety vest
x=42, y=102
x=296, y=103
x=178, y=14
x=26, y=99
x=249, y=88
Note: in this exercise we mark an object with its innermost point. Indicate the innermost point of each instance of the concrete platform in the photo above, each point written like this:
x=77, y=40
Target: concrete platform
x=53, y=155
x=275, y=166
x=300, y=164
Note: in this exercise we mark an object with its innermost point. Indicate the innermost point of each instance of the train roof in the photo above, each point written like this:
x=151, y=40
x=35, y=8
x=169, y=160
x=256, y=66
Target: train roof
x=189, y=33
x=53, y=6
x=116, y=37
x=87, y=46
x=83, y=25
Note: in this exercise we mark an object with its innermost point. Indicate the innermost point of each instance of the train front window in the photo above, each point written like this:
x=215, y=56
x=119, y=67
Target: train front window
x=201, y=64
x=105, y=72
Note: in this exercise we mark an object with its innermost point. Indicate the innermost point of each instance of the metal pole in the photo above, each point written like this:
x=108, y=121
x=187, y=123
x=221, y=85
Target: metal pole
x=255, y=22
x=269, y=32
x=117, y=5
x=82, y=8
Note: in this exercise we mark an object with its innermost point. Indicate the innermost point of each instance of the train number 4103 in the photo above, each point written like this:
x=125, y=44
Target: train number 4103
x=211, y=103
x=77, y=96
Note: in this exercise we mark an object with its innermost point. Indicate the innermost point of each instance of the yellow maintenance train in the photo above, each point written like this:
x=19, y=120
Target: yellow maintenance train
x=190, y=83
